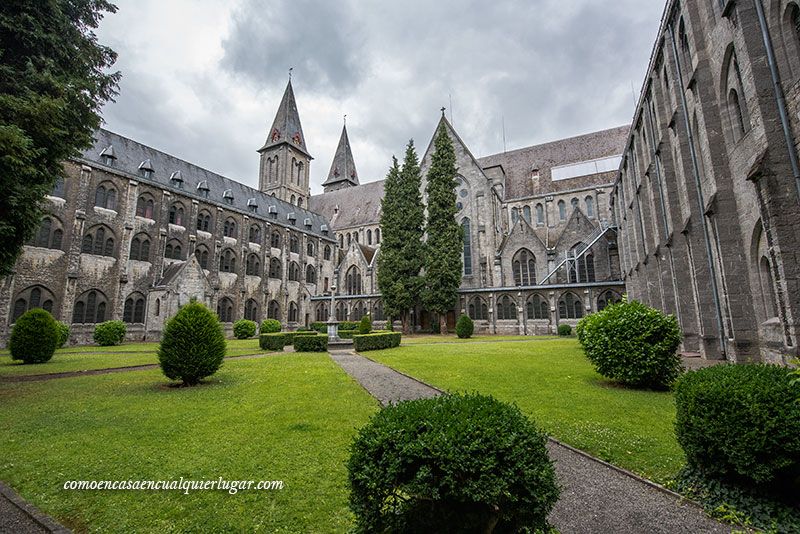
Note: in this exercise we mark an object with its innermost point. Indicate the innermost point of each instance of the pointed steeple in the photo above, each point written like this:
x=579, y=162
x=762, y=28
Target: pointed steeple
x=286, y=127
x=343, y=169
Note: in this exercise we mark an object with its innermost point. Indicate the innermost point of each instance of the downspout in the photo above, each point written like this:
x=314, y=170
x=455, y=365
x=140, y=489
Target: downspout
x=700, y=199
x=780, y=100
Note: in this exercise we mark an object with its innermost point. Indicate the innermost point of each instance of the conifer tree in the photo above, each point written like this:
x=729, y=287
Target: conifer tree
x=443, y=262
x=402, y=252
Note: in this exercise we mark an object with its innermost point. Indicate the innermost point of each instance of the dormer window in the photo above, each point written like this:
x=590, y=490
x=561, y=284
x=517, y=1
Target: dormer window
x=534, y=173
x=203, y=189
x=252, y=205
x=107, y=156
x=273, y=212
x=176, y=179
x=146, y=169
x=292, y=218
x=227, y=196
x=307, y=222
x=324, y=229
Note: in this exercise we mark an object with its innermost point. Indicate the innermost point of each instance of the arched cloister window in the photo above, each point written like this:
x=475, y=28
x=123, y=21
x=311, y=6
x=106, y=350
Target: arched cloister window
x=327, y=252
x=590, y=207
x=173, y=250
x=275, y=240
x=133, y=312
x=562, y=210
x=311, y=275
x=201, y=252
x=275, y=270
x=537, y=308
x=204, y=221
x=466, y=226
x=309, y=249
x=322, y=313
x=478, y=310
x=253, y=266
x=294, y=244
x=377, y=311
x=524, y=266
x=176, y=214
x=274, y=310
x=99, y=240
x=570, y=306
x=607, y=298
x=251, y=310
x=229, y=228
x=30, y=298
x=225, y=310
x=294, y=272
x=145, y=206
x=341, y=312
x=50, y=234
x=506, y=310
x=358, y=311
x=293, y=312
x=90, y=308
x=254, y=235
x=105, y=196
x=369, y=237
x=227, y=261
x=353, y=281
x=140, y=247
x=539, y=214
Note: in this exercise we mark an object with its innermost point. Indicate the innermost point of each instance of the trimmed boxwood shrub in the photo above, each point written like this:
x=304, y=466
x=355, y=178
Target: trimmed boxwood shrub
x=270, y=326
x=740, y=422
x=367, y=342
x=109, y=333
x=192, y=345
x=244, y=329
x=633, y=344
x=347, y=334
x=455, y=463
x=365, y=325
x=63, y=333
x=564, y=330
x=276, y=341
x=464, y=327
x=315, y=343
x=35, y=337
x=348, y=325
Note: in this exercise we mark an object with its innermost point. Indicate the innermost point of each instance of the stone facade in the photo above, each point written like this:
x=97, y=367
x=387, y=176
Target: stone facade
x=707, y=198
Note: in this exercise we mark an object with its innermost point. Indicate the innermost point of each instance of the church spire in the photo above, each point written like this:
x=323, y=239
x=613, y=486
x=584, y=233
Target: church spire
x=343, y=169
x=286, y=127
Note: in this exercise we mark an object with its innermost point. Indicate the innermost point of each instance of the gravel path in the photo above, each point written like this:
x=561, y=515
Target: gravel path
x=19, y=517
x=595, y=497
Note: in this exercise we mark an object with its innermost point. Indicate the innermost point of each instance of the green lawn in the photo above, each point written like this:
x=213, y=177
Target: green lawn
x=287, y=418
x=93, y=357
x=428, y=339
x=554, y=383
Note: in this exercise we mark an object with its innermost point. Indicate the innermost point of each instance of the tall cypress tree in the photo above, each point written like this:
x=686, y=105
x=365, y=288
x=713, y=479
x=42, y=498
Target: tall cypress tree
x=402, y=252
x=443, y=262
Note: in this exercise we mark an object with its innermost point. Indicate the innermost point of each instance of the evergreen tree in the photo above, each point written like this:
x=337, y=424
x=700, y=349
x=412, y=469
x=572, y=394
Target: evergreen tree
x=52, y=84
x=443, y=262
x=402, y=252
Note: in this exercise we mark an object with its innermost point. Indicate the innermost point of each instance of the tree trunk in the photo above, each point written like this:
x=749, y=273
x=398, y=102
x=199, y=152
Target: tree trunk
x=443, y=324
x=406, y=323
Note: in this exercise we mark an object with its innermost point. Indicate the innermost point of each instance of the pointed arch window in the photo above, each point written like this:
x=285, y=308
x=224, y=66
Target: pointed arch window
x=327, y=252
x=581, y=270
x=176, y=214
x=274, y=310
x=204, y=221
x=225, y=310
x=90, y=308
x=294, y=244
x=353, y=281
x=105, y=196
x=590, y=207
x=99, y=241
x=50, y=234
x=275, y=268
x=465, y=224
x=369, y=237
x=229, y=228
x=524, y=266
x=140, y=248
x=311, y=275
x=570, y=306
x=537, y=308
x=377, y=236
x=607, y=298
x=294, y=272
x=293, y=312
x=173, y=250
x=310, y=249
x=227, y=261
x=539, y=215
x=201, y=253
x=562, y=210
x=30, y=298
x=145, y=207
x=133, y=312
x=506, y=310
x=514, y=216
x=275, y=240
x=251, y=310
x=526, y=213
x=478, y=310
x=253, y=267
x=321, y=313
x=254, y=236
x=377, y=311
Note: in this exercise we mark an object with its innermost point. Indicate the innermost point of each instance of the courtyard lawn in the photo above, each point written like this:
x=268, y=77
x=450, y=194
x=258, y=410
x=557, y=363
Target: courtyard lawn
x=554, y=383
x=86, y=357
x=429, y=339
x=288, y=418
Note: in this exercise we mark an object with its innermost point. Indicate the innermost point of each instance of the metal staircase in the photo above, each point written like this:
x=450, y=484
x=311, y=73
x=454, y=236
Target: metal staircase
x=570, y=258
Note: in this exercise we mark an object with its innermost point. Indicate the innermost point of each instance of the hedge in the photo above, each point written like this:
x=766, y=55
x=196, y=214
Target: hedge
x=244, y=329
x=270, y=326
x=35, y=337
x=278, y=340
x=367, y=342
x=455, y=463
x=109, y=333
x=313, y=343
x=63, y=333
x=740, y=422
x=564, y=330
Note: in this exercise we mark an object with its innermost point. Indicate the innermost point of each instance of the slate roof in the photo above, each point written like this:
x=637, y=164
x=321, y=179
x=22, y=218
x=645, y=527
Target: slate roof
x=286, y=127
x=343, y=168
x=519, y=163
x=129, y=156
x=357, y=206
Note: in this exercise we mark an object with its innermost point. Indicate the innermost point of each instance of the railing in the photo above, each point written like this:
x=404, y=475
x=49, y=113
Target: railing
x=565, y=258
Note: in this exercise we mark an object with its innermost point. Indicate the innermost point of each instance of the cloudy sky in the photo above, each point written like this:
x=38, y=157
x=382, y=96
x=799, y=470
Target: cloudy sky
x=202, y=79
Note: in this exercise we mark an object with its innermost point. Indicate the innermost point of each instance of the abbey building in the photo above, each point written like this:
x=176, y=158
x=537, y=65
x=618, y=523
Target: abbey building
x=692, y=210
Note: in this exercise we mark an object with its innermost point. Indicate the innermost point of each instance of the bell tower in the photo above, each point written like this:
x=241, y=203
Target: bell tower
x=285, y=161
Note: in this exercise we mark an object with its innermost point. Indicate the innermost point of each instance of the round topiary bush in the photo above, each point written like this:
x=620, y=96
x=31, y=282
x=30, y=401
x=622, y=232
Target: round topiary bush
x=740, y=422
x=464, y=327
x=633, y=344
x=270, y=326
x=564, y=330
x=192, y=345
x=35, y=337
x=63, y=333
x=244, y=329
x=455, y=463
x=365, y=325
x=109, y=333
